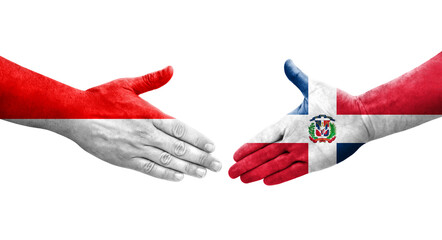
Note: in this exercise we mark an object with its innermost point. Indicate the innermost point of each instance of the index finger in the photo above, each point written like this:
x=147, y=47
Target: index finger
x=269, y=135
x=256, y=159
x=178, y=129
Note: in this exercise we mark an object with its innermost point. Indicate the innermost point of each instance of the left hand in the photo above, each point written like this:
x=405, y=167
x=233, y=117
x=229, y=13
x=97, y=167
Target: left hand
x=286, y=150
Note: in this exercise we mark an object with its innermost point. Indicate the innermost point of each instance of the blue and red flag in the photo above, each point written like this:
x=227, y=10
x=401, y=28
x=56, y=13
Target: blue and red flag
x=330, y=125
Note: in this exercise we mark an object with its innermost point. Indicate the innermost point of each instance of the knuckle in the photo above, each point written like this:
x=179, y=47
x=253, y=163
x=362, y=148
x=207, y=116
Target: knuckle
x=179, y=148
x=165, y=158
x=179, y=130
x=147, y=167
x=168, y=174
x=148, y=134
x=147, y=79
x=203, y=158
x=153, y=137
x=189, y=168
x=196, y=141
x=157, y=122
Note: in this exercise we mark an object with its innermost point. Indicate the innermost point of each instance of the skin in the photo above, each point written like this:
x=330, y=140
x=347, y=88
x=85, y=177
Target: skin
x=117, y=132
x=276, y=163
x=269, y=156
x=162, y=148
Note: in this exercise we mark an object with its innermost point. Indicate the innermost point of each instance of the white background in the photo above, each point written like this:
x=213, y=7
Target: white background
x=229, y=83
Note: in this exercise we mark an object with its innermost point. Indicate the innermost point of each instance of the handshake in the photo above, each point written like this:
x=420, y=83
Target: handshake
x=113, y=123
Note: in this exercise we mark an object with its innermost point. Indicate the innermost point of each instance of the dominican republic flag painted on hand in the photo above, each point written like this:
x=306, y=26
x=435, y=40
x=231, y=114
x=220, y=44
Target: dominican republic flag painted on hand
x=330, y=125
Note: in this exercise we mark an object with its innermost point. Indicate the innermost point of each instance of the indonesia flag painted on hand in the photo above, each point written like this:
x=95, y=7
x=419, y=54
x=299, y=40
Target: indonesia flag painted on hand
x=330, y=125
x=109, y=121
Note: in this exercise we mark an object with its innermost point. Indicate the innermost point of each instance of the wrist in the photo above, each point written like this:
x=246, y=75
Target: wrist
x=366, y=119
x=348, y=104
x=63, y=127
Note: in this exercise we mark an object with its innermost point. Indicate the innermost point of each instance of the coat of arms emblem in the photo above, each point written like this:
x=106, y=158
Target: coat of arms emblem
x=322, y=129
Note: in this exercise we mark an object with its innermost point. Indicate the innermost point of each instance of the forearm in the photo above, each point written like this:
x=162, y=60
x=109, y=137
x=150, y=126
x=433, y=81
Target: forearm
x=408, y=101
x=63, y=127
x=25, y=94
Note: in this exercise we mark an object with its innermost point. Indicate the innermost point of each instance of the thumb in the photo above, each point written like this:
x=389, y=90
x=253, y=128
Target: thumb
x=151, y=81
x=296, y=76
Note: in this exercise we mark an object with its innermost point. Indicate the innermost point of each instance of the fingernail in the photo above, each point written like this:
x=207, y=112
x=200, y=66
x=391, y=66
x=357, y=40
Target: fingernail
x=201, y=172
x=216, y=166
x=179, y=176
x=209, y=147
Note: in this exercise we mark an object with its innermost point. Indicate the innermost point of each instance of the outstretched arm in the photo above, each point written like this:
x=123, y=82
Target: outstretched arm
x=330, y=125
x=109, y=121
x=405, y=102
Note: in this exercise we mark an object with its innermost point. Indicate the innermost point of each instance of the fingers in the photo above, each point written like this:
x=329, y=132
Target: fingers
x=279, y=163
x=187, y=152
x=151, y=81
x=246, y=149
x=295, y=170
x=296, y=76
x=150, y=168
x=177, y=129
x=269, y=135
x=280, y=157
x=168, y=161
x=257, y=158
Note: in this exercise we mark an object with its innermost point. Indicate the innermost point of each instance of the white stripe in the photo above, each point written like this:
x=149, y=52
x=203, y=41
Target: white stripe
x=349, y=128
x=383, y=125
x=322, y=100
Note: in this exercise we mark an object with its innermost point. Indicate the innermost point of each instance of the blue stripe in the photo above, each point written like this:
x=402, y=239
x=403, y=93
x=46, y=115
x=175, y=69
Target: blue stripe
x=300, y=80
x=345, y=150
x=301, y=109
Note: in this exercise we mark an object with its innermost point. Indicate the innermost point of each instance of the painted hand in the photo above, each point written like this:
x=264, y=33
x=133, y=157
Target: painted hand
x=109, y=121
x=310, y=138
x=159, y=146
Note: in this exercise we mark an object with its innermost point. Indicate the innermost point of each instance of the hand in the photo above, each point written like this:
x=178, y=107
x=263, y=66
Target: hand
x=113, y=123
x=162, y=148
x=312, y=137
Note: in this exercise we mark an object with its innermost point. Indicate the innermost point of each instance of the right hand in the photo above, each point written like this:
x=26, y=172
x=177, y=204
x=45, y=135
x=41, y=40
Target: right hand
x=113, y=123
x=162, y=148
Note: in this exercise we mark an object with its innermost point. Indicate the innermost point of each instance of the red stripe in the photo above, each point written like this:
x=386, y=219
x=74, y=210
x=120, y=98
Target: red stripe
x=25, y=94
x=262, y=158
x=418, y=92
